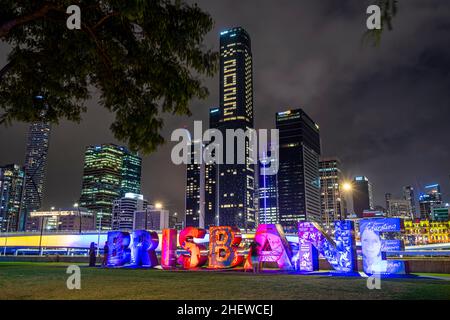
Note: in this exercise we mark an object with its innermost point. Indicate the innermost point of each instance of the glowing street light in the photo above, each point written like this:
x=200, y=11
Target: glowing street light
x=347, y=186
x=158, y=205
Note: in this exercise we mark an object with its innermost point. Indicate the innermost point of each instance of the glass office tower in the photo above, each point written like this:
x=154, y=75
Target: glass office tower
x=298, y=175
x=110, y=172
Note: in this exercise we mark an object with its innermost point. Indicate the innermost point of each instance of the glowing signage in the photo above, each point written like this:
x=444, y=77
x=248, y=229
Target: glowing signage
x=143, y=247
x=169, y=249
x=195, y=258
x=227, y=251
x=374, y=248
x=273, y=246
x=339, y=253
x=119, y=254
x=223, y=247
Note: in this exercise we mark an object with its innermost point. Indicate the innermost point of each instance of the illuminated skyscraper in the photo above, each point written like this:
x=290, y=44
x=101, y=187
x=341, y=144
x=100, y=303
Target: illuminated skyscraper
x=362, y=195
x=332, y=204
x=12, y=180
x=195, y=187
x=36, y=161
x=430, y=198
x=236, y=183
x=109, y=173
x=298, y=174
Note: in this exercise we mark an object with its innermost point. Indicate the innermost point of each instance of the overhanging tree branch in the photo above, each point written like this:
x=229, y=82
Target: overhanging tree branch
x=6, y=27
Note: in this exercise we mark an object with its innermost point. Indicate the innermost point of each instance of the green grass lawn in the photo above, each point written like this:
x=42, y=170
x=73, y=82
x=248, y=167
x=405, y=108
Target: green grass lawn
x=48, y=281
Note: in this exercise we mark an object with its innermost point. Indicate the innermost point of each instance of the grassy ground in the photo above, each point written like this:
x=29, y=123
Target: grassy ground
x=48, y=281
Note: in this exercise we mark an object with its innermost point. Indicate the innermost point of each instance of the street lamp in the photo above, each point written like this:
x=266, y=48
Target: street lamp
x=158, y=205
x=347, y=188
x=40, y=238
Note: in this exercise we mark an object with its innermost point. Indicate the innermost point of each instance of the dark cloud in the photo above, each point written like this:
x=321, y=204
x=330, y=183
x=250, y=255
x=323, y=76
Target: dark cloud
x=383, y=111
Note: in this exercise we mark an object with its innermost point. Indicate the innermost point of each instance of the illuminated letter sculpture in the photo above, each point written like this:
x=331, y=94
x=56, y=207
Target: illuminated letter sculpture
x=273, y=246
x=374, y=248
x=194, y=259
x=341, y=253
x=169, y=249
x=119, y=254
x=143, y=248
x=223, y=244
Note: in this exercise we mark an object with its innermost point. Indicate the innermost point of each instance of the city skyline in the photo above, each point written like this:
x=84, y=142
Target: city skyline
x=385, y=153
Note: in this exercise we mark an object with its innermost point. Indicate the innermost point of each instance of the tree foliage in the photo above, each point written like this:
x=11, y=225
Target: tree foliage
x=144, y=57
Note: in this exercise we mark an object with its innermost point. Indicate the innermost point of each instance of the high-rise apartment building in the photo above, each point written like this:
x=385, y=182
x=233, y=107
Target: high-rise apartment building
x=298, y=174
x=332, y=202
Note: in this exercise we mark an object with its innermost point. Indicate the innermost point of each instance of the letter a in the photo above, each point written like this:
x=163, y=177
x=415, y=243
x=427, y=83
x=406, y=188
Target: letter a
x=374, y=20
x=74, y=21
x=74, y=280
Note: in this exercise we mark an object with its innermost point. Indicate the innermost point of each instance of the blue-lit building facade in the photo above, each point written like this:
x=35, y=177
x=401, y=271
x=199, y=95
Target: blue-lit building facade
x=298, y=174
x=267, y=194
x=430, y=198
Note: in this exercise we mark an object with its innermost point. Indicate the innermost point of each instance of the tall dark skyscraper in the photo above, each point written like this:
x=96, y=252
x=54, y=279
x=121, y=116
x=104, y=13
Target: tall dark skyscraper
x=236, y=183
x=332, y=202
x=362, y=195
x=12, y=180
x=298, y=174
x=408, y=194
x=109, y=173
x=195, y=187
x=36, y=164
x=211, y=179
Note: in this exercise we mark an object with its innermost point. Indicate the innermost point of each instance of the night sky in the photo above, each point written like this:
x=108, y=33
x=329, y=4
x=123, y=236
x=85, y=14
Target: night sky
x=385, y=112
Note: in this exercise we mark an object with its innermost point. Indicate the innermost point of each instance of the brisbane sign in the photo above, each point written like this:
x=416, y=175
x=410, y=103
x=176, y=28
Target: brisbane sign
x=224, y=249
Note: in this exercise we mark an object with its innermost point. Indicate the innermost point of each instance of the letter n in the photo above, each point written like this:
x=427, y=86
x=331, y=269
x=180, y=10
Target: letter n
x=341, y=253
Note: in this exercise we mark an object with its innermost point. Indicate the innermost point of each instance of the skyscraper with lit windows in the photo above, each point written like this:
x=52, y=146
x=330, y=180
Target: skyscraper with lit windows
x=12, y=182
x=195, y=187
x=298, y=174
x=110, y=171
x=236, y=182
x=430, y=198
x=332, y=202
x=36, y=164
